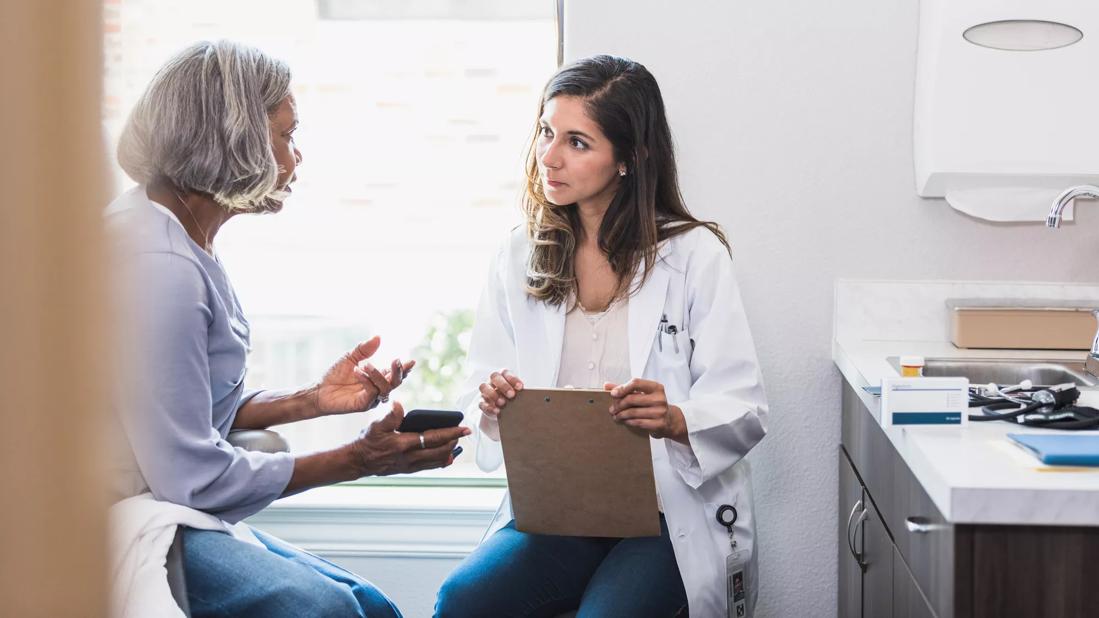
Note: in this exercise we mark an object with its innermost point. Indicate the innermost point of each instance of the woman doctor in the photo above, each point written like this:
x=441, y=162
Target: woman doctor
x=614, y=284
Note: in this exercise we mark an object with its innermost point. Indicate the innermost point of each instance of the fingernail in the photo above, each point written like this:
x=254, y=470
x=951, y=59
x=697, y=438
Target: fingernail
x=511, y=393
x=519, y=385
x=500, y=402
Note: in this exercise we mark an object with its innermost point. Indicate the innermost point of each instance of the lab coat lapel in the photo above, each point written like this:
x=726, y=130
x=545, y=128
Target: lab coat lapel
x=645, y=311
x=539, y=328
x=553, y=316
x=539, y=333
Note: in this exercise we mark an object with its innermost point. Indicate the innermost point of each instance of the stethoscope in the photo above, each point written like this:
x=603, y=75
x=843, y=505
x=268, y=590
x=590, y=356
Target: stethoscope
x=1051, y=407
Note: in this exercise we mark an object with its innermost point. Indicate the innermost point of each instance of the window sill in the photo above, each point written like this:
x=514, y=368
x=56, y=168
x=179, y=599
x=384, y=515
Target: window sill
x=383, y=521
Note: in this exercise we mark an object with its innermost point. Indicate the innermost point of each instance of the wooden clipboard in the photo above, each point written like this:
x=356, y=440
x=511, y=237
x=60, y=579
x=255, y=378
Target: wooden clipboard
x=572, y=470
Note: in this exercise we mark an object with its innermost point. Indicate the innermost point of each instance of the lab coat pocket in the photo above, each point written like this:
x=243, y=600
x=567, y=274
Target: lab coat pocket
x=672, y=355
x=673, y=341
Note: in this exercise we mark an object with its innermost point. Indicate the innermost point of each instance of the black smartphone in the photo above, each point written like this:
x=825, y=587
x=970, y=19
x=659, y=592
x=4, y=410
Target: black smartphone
x=421, y=420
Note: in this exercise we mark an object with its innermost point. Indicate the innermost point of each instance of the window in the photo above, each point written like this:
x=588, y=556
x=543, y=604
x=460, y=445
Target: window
x=415, y=117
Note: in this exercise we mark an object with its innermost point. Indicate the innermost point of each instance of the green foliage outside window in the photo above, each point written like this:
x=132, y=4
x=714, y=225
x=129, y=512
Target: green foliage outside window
x=440, y=360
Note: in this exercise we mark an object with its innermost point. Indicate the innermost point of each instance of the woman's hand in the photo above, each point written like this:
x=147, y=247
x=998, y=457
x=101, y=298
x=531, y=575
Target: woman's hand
x=352, y=386
x=643, y=404
x=381, y=450
x=500, y=388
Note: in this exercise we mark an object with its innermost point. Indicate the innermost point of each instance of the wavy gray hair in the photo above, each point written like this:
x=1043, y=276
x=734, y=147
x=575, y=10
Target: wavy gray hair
x=202, y=124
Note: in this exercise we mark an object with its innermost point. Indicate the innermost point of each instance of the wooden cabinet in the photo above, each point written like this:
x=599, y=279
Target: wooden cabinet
x=850, y=565
x=873, y=579
x=908, y=600
x=899, y=557
x=877, y=560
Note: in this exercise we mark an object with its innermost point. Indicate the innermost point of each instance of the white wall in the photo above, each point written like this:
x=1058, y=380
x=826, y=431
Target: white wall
x=793, y=121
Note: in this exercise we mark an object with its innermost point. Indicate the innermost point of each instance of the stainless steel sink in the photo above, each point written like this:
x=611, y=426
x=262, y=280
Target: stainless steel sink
x=1005, y=371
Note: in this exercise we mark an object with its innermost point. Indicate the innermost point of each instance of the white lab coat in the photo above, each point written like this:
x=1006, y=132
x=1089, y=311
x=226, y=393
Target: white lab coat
x=714, y=379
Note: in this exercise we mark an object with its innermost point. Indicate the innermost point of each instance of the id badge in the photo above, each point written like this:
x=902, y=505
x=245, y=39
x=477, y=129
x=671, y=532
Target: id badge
x=736, y=582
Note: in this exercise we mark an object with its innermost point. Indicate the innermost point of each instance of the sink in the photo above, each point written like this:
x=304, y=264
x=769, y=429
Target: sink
x=1005, y=371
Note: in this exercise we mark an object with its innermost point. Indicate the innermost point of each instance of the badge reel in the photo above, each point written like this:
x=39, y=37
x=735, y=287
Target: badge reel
x=736, y=566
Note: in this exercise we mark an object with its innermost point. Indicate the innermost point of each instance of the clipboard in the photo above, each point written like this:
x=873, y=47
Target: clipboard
x=572, y=470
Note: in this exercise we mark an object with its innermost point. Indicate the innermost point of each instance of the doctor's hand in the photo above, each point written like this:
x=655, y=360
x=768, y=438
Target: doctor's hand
x=501, y=387
x=643, y=404
x=354, y=385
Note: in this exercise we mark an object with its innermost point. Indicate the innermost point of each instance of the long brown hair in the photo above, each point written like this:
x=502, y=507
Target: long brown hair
x=623, y=98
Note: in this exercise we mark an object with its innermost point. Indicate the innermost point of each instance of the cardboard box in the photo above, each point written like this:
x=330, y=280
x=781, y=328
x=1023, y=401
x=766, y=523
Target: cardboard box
x=1022, y=324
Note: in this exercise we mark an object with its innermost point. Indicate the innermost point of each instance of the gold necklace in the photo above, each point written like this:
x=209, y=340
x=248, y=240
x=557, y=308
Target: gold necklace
x=205, y=236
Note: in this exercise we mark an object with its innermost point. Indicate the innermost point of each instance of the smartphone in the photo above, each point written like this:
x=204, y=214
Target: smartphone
x=421, y=420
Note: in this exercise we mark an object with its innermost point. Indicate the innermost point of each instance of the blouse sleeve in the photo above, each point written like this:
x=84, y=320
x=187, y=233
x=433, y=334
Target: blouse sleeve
x=169, y=423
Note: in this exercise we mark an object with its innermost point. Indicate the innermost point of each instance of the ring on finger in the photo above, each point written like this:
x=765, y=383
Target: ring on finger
x=422, y=444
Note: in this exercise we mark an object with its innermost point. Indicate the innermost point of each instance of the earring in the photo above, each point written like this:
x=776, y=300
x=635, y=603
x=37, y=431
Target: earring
x=622, y=171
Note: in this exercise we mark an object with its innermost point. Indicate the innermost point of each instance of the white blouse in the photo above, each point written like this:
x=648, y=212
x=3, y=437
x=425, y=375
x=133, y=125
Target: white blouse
x=596, y=348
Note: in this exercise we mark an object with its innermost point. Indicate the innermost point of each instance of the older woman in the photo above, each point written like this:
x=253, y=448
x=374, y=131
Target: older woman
x=211, y=138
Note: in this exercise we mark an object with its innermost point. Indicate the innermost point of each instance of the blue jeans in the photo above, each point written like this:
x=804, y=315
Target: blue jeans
x=520, y=574
x=227, y=577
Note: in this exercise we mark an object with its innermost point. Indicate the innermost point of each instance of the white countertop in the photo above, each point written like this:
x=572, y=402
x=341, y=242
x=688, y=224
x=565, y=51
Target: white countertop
x=975, y=474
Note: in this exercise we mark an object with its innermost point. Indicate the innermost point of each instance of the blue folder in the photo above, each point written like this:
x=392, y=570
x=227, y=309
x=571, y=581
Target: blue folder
x=1061, y=450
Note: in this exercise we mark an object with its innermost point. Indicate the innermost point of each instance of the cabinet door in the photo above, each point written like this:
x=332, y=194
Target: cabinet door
x=908, y=601
x=850, y=573
x=877, y=560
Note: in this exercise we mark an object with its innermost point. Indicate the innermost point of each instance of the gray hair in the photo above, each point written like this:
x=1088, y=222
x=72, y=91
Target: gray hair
x=202, y=124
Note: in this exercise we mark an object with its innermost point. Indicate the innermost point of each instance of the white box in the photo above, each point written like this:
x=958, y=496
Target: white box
x=924, y=401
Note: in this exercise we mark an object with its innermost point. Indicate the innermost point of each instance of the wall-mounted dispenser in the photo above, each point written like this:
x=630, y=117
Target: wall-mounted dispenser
x=1007, y=104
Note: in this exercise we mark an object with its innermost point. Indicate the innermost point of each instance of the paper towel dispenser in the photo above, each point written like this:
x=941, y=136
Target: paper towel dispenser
x=1006, y=104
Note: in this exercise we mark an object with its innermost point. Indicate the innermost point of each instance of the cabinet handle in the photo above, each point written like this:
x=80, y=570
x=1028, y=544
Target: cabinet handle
x=921, y=525
x=861, y=510
x=861, y=553
x=850, y=518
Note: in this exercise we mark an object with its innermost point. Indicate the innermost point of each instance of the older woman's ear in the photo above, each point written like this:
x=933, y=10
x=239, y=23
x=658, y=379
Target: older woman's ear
x=203, y=125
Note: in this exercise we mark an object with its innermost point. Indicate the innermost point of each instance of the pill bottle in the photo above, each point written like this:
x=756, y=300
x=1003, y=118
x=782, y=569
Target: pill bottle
x=912, y=366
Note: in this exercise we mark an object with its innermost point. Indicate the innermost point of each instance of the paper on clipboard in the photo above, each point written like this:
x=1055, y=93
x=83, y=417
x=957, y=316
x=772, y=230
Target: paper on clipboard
x=572, y=470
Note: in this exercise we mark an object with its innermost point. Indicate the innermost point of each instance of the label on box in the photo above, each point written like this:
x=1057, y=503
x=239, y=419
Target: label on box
x=924, y=401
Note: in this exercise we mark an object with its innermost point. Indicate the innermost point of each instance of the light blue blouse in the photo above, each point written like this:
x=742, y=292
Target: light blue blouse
x=190, y=340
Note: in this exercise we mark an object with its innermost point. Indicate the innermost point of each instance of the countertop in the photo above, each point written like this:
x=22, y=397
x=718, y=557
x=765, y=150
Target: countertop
x=975, y=474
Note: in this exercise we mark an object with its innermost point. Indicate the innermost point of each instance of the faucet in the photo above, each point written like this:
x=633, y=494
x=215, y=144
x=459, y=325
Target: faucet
x=1091, y=365
x=1069, y=194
